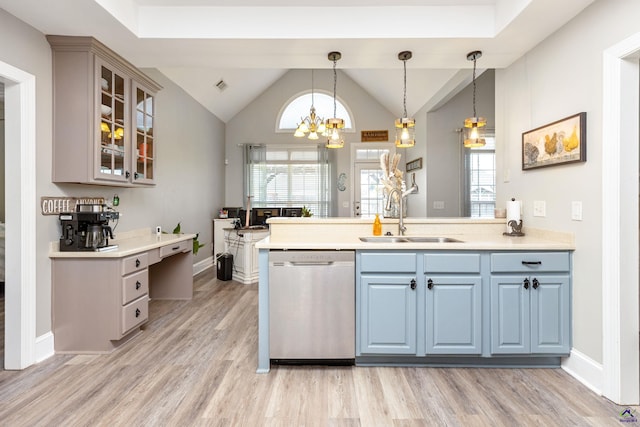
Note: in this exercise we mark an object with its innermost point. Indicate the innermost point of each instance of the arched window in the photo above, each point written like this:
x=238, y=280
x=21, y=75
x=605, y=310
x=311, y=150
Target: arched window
x=299, y=108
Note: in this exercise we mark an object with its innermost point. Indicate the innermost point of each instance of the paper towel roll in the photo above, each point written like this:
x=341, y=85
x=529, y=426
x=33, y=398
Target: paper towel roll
x=513, y=212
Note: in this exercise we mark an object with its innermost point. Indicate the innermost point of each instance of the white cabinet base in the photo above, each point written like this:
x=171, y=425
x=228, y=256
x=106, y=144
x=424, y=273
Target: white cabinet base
x=242, y=245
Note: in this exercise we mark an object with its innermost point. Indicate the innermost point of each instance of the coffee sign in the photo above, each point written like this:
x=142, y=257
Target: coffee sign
x=57, y=205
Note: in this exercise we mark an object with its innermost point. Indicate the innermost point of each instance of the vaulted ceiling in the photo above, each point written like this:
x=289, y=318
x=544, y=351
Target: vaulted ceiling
x=251, y=43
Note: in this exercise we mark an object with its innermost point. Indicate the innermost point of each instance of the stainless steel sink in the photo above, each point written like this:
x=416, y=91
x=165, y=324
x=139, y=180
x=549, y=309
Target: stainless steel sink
x=407, y=239
x=384, y=239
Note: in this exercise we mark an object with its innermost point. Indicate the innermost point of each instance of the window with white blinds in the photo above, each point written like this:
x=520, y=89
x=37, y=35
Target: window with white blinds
x=288, y=176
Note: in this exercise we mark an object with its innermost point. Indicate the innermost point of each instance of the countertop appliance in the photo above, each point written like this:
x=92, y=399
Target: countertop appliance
x=87, y=231
x=312, y=306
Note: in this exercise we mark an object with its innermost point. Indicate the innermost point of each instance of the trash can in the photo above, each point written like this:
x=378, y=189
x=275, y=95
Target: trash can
x=225, y=266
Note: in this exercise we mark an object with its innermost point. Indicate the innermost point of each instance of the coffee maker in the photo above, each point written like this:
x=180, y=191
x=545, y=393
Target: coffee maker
x=87, y=229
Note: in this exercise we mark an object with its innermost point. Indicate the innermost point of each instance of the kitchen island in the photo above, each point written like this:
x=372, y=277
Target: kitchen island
x=477, y=299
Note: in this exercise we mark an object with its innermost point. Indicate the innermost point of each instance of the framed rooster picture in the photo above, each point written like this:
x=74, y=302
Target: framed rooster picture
x=560, y=142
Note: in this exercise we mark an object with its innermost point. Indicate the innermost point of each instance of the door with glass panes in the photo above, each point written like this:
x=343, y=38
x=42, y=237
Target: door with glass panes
x=368, y=194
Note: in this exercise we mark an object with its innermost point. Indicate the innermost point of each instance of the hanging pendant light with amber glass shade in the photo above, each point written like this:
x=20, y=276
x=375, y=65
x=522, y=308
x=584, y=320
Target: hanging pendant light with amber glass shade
x=474, y=137
x=405, y=126
x=334, y=125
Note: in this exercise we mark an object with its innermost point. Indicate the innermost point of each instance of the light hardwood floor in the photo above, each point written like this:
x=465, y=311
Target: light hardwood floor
x=195, y=364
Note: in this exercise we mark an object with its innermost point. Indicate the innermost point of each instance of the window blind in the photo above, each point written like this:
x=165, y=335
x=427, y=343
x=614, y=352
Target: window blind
x=288, y=176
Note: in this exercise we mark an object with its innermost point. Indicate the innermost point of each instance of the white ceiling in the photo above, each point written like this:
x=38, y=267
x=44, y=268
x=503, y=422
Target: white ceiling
x=251, y=43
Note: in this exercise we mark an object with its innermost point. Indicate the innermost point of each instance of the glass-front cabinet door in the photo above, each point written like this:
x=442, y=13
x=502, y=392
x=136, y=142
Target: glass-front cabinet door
x=113, y=153
x=144, y=149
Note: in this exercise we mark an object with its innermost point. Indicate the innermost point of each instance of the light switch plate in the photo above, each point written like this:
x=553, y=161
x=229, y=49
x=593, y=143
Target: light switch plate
x=539, y=208
x=438, y=204
x=576, y=211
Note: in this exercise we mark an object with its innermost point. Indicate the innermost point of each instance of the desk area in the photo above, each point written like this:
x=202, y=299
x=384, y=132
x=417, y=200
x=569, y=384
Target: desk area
x=101, y=299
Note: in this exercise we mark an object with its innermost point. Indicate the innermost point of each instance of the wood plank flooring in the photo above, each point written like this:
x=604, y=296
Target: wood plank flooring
x=194, y=365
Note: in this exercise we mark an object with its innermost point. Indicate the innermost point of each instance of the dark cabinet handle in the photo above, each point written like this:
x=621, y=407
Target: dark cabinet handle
x=138, y=284
x=531, y=262
x=136, y=175
x=127, y=174
x=430, y=284
x=535, y=283
x=137, y=312
x=175, y=248
x=137, y=262
x=526, y=283
x=413, y=284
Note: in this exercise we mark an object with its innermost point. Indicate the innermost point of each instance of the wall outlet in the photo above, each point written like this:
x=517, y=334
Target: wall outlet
x=576, y=211
x=539, y=208
x=438, y=204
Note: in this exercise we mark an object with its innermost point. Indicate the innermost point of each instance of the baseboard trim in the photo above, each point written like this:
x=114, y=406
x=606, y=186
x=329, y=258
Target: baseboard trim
x=44, y=347
x=203, y=265
x=584, y=369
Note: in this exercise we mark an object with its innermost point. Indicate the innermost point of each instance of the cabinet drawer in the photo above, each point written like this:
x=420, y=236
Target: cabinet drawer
x=387, y=262
x=168, y=250
x=135, y=313
x=135, y=263
x=134, y=286
x=452, y=263
x=530, y=262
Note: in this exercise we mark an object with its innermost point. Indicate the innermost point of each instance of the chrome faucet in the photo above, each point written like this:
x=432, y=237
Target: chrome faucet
x=401, y=195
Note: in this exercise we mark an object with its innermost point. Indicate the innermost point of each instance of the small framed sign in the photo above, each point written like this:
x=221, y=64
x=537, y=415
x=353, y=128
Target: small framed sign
x=414, y=164
x=374, y=135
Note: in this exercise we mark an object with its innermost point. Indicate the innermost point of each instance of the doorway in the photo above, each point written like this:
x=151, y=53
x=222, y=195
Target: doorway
x=20, y=216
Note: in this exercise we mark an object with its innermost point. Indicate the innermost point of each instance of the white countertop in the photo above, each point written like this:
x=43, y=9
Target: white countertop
x=344, y=234
x=129, y=243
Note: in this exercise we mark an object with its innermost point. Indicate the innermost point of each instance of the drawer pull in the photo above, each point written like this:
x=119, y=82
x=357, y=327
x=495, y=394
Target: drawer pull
x=138, y=284
x=526, y=283
x=531, y=262
x=430, y=284
x=413, y=284
x=137, y=262
x=535, y=283
x=175, y=248
x=137, y=312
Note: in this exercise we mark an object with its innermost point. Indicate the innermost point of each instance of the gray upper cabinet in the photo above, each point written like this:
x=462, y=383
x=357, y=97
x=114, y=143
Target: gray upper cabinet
x=103, y=116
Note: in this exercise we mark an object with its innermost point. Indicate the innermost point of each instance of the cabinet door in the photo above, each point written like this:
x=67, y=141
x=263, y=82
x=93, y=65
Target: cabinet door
x=453, y=314
x=388, y=314
x=550, y=314
x=510, y=324
x=144, y=147
x=112, y=147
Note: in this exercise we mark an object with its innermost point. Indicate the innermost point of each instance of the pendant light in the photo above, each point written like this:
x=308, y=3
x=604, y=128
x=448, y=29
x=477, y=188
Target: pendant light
x=334, y=125
x=473, y=135
x=312, y=124
x=405, y=126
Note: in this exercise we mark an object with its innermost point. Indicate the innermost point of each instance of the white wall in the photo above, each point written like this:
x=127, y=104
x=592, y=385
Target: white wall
x=558, y=78
x=257, y=123
x=189, y=165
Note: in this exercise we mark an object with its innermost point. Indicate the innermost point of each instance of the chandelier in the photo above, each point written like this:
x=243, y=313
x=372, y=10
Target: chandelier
x=405, y=126
x=334, y=125
x=312, y=124
x=473, y=135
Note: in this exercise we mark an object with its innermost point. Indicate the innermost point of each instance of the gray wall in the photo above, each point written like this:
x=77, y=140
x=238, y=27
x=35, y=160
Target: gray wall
x=558, y=78
x=189, y=165
x=257, y=123
x=2, y=156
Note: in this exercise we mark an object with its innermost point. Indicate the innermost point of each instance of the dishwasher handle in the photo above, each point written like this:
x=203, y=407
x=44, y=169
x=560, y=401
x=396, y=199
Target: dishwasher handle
x=307, y=263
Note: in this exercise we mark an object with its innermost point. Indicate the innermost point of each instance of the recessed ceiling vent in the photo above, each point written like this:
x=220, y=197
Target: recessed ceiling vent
x=221, y=85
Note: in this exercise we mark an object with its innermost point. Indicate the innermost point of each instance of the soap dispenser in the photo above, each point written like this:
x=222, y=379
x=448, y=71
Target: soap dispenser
x=377, y=226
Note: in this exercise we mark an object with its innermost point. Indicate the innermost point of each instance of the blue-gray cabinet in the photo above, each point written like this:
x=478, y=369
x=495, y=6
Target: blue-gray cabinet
x=386, y=299
x=453, y=314
x=388, y=314
x=530, y=306
x=453, y=308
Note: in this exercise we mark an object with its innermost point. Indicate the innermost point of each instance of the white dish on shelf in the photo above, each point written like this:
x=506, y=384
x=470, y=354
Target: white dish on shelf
x=105, y=110
x=105, y=84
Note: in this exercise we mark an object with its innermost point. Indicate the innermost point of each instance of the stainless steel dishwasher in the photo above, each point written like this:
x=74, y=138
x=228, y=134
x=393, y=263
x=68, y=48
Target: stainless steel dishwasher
x=312, y=306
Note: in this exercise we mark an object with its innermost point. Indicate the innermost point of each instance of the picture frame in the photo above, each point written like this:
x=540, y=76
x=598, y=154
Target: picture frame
x=561, y=142
x=414, y=164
